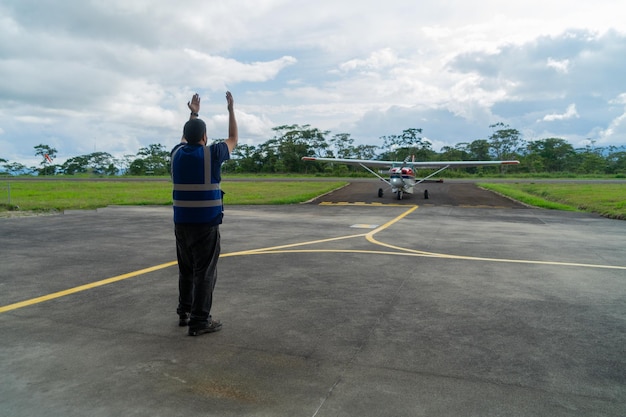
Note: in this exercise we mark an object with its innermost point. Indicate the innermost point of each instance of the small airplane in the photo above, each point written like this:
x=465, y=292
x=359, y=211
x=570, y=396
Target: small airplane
x=402, y=174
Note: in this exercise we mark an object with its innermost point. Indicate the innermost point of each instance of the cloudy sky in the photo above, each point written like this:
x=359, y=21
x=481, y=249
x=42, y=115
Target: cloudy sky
x=115, y=75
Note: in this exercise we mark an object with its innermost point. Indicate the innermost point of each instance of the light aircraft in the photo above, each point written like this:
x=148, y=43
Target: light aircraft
x=402, y=174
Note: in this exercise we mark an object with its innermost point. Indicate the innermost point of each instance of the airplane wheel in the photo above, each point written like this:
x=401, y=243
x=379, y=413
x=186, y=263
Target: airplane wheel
x=399, y=195
x=380, y=193
x=425, y=194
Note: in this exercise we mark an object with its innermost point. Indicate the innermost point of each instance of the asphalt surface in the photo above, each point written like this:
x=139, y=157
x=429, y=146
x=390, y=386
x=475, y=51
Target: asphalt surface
x=340, y=307
x=435, y=193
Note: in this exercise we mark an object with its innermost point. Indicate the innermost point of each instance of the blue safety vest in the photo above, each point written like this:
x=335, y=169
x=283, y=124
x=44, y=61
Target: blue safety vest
x=196, y=193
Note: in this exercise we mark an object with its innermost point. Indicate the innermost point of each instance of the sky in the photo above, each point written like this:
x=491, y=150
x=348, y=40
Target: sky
x=116, y=75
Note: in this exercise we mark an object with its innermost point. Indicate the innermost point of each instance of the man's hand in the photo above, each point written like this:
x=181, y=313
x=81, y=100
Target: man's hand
x=194, y=104
x=229, y=99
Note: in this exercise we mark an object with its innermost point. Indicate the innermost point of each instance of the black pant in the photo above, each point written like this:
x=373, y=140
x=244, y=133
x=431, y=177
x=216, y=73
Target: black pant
x=197, y=249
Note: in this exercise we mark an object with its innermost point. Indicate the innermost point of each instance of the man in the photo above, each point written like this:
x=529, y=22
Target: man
x=198, y=212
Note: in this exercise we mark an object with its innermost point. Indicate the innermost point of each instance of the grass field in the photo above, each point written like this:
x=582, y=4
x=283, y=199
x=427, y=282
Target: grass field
x=60, y=195
x=608, y=200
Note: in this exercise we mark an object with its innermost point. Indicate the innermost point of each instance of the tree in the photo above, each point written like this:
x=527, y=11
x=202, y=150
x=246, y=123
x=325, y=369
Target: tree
x=295, y=142
x=75, y=165
x=505, y=142
x=244, y=158
x=151, y=160
x=407, y=144
x=137, y=167
x=552, y=154
x=589, y=160
x=616, y=160
x=102, y=163
x=456, y=153
x=156, y=158
x=365, y=152
x=283, y=153
x=478, y=150
x=47, y=154
x=269, y=156
x=342, y=145
x=98, y=163
x=125, y=162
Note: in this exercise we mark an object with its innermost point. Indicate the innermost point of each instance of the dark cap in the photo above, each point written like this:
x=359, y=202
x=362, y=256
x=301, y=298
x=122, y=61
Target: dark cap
x=194, y=130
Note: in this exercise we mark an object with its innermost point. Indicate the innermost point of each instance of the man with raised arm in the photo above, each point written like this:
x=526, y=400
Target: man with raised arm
x=198, y=212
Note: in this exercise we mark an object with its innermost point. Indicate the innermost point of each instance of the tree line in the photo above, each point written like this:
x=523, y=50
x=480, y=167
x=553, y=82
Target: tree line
x=283, y=152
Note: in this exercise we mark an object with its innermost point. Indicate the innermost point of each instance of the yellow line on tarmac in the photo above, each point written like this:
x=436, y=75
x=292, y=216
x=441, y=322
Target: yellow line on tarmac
x=407, y=252
x=291, y=245
x=362, y=203
x=370, y=238
x=362, y=251
x=100, y=283
x=370, y=235
x=283, y=249
x=476, y=258
x=84, y=287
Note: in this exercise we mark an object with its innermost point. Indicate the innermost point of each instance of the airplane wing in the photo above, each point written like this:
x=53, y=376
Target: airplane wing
x=359, y=162
x=418, y=165
x=458, y=164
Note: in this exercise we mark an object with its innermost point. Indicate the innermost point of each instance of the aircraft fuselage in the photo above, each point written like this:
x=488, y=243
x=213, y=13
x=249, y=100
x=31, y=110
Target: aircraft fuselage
x=402, y=180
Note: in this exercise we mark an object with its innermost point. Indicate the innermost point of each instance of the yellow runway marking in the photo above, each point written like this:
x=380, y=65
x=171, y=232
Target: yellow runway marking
x=292, y=245
x=84, y=287
x=397, y=251
x=361, y=203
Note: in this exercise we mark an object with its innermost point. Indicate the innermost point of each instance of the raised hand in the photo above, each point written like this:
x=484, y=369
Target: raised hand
x=230, y=100
x=194, y=104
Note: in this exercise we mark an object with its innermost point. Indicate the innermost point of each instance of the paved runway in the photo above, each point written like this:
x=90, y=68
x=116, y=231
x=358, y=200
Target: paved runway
x=448, y=193
x=328, y=310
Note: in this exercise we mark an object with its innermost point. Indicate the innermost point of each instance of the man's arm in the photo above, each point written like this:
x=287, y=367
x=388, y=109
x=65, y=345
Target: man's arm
x=194, y=107
x=233, y=134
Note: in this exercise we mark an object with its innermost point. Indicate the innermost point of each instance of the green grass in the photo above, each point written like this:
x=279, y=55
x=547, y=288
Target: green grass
x=271, y=192
x=60, y=195
x=608, y=200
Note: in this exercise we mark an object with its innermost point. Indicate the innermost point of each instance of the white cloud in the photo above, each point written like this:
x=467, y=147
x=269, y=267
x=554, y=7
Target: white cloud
x=118, y=74
x=561, y=66
x=615, y=133
x=569, y=114
x=620, y=99
x=378, y=60
x=225, y=71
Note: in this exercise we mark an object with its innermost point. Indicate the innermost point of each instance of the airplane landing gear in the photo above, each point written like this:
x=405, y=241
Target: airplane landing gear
x=425, y=194
x=380, y=193
x=399, y=194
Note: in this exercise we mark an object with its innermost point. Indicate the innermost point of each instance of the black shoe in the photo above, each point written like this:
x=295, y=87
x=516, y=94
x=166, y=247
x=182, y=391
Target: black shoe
x=210, y=327
x=183, y=319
